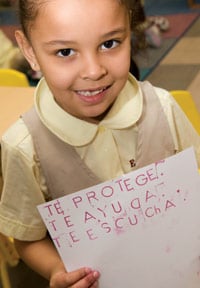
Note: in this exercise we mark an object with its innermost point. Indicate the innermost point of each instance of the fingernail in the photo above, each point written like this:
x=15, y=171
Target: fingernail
x=96, y=274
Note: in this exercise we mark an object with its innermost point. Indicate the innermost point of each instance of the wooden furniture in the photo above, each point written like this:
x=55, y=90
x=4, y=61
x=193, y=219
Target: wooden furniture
x=13, y=102
x=193, y=4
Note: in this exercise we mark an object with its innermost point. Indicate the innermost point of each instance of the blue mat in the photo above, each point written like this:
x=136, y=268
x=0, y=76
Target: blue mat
x=8, y=17
x=164, y=7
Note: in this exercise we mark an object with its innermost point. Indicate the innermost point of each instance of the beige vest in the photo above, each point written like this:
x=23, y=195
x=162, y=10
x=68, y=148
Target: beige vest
x=63, y=168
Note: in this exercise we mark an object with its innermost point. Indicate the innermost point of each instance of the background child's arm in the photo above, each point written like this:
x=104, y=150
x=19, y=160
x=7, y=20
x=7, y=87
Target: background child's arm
x=43, y=258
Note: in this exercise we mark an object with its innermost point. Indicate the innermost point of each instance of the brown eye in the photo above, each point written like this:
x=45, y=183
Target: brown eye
x=65, y=52
x=110, y=44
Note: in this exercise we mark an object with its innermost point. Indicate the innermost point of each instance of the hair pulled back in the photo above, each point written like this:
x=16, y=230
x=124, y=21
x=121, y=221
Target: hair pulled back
x=28, y=11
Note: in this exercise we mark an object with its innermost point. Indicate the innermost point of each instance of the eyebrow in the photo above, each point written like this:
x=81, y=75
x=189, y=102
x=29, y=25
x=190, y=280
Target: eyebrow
x=58, y=42
x=114, y=32
x=68, y=42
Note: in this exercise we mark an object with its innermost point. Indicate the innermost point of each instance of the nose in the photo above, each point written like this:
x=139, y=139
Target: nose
x=93, y=68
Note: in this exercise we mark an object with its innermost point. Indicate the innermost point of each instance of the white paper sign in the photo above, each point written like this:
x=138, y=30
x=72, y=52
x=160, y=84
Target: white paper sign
x=139, y=230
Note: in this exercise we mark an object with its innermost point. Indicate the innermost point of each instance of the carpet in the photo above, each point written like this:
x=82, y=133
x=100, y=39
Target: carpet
x=9, y=22
x=166, y=7
x=148, y=59
x=179, y=69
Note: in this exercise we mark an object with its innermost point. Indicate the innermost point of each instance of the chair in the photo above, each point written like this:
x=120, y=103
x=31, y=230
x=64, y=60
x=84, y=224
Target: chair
x=8, y=257
x=11, y=77
x=186, y=102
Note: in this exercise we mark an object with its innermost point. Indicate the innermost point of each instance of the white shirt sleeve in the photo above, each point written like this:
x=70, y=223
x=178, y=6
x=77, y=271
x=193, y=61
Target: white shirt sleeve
x=184, y=134
x=22, y=192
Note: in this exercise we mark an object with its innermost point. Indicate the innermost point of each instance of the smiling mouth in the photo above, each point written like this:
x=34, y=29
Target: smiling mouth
x=91, y=93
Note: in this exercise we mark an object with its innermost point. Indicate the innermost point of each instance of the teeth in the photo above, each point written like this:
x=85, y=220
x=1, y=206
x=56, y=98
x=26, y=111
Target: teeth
x=90, y=93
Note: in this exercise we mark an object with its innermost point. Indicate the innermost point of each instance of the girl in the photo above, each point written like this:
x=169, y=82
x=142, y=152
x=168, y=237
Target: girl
x=88, y=108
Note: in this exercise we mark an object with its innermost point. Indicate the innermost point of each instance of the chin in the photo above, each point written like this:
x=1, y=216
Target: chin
x=100, y=116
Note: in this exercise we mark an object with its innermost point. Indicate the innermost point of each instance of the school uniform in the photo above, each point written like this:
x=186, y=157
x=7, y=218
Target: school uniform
x=144, y=125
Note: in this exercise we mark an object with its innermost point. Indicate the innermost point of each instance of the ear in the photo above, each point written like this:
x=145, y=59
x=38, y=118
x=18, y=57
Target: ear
x=27, y=50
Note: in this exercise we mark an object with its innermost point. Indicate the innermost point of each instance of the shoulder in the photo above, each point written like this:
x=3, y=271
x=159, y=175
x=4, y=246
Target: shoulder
x=169, y=104
x=160, y=92
x=170, y=107
x=17, y=138
x=165, y=98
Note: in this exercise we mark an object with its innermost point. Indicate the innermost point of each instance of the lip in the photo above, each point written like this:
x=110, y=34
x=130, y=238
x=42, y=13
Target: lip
x=93, y=95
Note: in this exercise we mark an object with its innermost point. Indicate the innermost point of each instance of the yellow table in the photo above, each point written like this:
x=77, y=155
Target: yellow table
x=13, y=102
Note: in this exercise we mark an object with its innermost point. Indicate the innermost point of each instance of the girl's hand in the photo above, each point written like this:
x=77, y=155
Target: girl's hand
x=81, y=278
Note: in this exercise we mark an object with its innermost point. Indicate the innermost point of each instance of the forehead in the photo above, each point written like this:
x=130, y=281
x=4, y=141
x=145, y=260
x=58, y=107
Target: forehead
x=76, y=9
x=79, y=17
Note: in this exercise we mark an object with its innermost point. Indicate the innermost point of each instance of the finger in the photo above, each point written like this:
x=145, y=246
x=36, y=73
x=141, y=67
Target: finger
x=75, y=276
x=95, y=285
x=67, y=279
x=81, y=278
x=90, y=280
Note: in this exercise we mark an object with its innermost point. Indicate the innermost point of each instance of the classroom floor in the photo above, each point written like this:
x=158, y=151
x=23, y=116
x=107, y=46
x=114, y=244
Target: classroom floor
x=180, y=68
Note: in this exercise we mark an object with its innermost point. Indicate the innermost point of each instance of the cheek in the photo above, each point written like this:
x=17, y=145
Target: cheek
x=122, y=66
x=57, y=79
x=122, y=63
x=56, y=74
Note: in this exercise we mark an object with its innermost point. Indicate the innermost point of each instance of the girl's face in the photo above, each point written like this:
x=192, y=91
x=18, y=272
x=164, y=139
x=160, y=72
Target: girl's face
x=82, y=48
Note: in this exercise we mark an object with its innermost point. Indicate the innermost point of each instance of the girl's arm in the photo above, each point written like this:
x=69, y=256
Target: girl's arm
x=43, y=258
